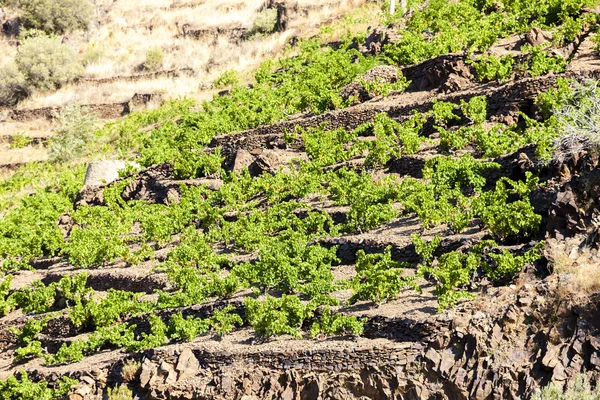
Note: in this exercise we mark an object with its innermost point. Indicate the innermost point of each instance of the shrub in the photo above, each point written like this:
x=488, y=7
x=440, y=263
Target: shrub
x=13, y=87
x=47, y=64
x=489, y=68
x=265, y=22
x=121, y=392
x=154, y=59
x=56, y=16
x=578, y=120
x=130, y=370
x=579, y=390
x=76, y=132
x=228, y=78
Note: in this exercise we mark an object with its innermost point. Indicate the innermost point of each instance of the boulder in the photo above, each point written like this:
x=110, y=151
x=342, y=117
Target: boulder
x=102, y=172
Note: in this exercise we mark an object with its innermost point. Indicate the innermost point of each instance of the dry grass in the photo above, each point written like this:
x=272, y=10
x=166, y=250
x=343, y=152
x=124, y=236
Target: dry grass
x=10, y=156
x=580, y=264
x=117, y=46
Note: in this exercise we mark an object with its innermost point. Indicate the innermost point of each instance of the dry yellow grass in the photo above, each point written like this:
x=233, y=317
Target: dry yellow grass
x=579, y=263
x=18, y=156
x=126, y=31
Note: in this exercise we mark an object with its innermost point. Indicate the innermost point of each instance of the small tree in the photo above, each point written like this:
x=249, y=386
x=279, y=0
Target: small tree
x=76, y=132
x=56, y=16
x=13, y=87
x=47, y=64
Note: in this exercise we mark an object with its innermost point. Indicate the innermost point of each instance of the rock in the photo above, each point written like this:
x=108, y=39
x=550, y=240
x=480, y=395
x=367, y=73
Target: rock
x=243, y=159
x=147, y=372
x=166, y=371
x=379, y=74
x=537, y=37
x=12, y=27
x=187, y=364
x=102, y=172
x=550, y=360
x=595, y=359
x=227, y=385
x=445, y=367
x=433, y=357
x=80, y=391
x=153, y=185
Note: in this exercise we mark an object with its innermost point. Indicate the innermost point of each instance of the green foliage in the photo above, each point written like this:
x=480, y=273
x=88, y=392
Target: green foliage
x=30, y=330
x=204, y=164
x=453, y=271
x=156, y=338
x=440, y=198
x=579, y=389
x=336, y=324
x=555, y=97
x=505, y=218
x=309, y=82
x=121, y=392
x=443, y=112
x=393, y=139
x=30, y=230
x=223, y=321
x=90, y=312
x=19, y=141
x=22, y=388
x=378, y=278
x=455, y=139
x=370, y=202
x=56, y=16
x=74, y=135
x=186, y=329
x=475, y=109
x=540, y=63
x=6, y=302
x=47, y=64
x=37, y=298
x=379, y=88
x=33, y=349
x=228, y=78
x=291, y=265
x=330, y=147
x=444, y=173
x=13, y=86
x=489, y=68
x=265, y=22
x=425, y=249
x=276, y=316
x=154, y=59
x=506, y=266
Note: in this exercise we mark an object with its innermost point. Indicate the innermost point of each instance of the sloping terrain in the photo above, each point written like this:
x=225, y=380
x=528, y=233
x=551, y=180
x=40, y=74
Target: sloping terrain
x=396, y=216
x=194, y=44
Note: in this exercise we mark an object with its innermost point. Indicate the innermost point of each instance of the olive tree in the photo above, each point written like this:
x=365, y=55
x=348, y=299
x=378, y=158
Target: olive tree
x=56, y=16
x=47, y=64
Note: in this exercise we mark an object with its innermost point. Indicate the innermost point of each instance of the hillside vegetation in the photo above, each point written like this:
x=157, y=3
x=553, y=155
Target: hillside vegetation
x=429, y=190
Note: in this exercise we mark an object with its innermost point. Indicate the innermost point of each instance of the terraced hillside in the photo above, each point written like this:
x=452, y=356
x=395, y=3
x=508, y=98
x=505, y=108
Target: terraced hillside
x=411, y=213
x=131, y=56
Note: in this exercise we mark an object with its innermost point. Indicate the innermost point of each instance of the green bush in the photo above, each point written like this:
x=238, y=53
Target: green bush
x=579, y=390
x=23, y=388
x=489, y=68
x=265, y=22
x=76, y=132
x=13, y=87
x=47, y=64
x=154, y=59
x=121, y=392
x=56, y=16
